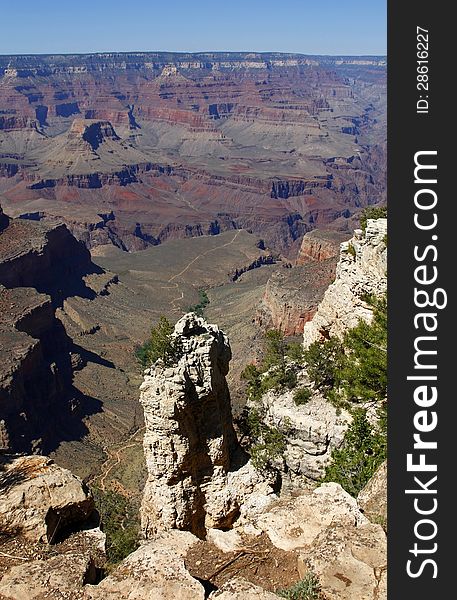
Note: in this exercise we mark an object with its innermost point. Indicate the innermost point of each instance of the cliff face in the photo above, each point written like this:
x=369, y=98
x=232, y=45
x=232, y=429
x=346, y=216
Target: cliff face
x=361, y=271
x=39, y=268
x=4, y=220
x=35, y=374
x=45, y=257
x=197, y=475
x=320, y=245
x=292, y=294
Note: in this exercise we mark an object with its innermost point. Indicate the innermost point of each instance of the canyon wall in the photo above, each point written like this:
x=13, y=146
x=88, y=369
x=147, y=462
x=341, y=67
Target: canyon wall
x=360, y=273
x=39, y=268
x=173, y=146
x=293, y=293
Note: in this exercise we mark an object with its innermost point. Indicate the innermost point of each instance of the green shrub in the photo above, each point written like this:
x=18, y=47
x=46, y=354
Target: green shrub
x=363, y=370
x=271, y=445
x=295, y=352
x=203, y=302
x=267, y=443
x=161, y=345
x=372, y=212
x=119, y=521
x=351, y=250
x=253, y=377
x=354, y=370
x=302, y=396
x=275, y=372
x=275, y=350
x=363, y=450
x=324, y=361
x=306, y=589
x=349, y=373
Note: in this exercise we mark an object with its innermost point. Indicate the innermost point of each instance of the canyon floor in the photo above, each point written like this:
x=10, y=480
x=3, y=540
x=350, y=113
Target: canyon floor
x=162, y=280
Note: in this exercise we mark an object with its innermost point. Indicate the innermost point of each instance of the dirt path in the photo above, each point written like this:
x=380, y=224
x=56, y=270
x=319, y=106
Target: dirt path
x=184, y=201
x=204, y=254
x=115, y=455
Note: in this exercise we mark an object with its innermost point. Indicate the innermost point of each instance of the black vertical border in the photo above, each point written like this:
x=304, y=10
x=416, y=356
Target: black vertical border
x=408, y=133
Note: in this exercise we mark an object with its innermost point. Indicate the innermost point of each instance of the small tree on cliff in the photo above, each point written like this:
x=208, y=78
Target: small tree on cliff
x=161, y=345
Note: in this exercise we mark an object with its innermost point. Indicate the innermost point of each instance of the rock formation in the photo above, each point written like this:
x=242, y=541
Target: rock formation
x=351, y=562
x=361, y=271
x=190, y=445
x=39, y=499
x=51, y=578
x=292, y=296
x=333, y=539
x=46, y=257
x=155, y=570
x=320, y=245
x=311, y=432
x=240, y=589
x=35, y=373
x=40, y=267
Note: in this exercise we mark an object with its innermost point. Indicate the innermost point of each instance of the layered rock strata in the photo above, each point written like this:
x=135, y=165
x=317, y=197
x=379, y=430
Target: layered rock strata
x=320, y=245
x=276, y=143
x=361, y=272
x=292, y=296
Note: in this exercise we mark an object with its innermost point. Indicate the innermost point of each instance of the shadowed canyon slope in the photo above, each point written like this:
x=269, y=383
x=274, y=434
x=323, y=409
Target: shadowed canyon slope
x=135, y=149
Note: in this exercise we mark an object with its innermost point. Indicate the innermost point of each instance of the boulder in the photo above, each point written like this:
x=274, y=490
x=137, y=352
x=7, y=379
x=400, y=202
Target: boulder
x=39, y=499
x=155, y=571
x=351, y=562
x=295, y=522
x=240, y=589
x=49, y=578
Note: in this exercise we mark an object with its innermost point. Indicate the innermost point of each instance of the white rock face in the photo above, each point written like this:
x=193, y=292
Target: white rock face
x=155, y=571
x=312, y=431
x=51, y=578
x=190, y=443
x=38, y=498
x=372, y=499
x=240, y=589
x=296, y=522
x=365, y=272
x=351, y=562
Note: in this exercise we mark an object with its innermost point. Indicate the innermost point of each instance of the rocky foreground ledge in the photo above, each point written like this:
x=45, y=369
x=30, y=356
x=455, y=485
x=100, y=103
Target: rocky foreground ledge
x=52, y=528
x=213, y=526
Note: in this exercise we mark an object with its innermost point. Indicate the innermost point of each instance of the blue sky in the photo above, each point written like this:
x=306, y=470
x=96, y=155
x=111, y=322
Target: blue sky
x=304, y=26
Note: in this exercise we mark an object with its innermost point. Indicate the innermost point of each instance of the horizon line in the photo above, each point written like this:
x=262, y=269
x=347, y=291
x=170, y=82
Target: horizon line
x=201, y=52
